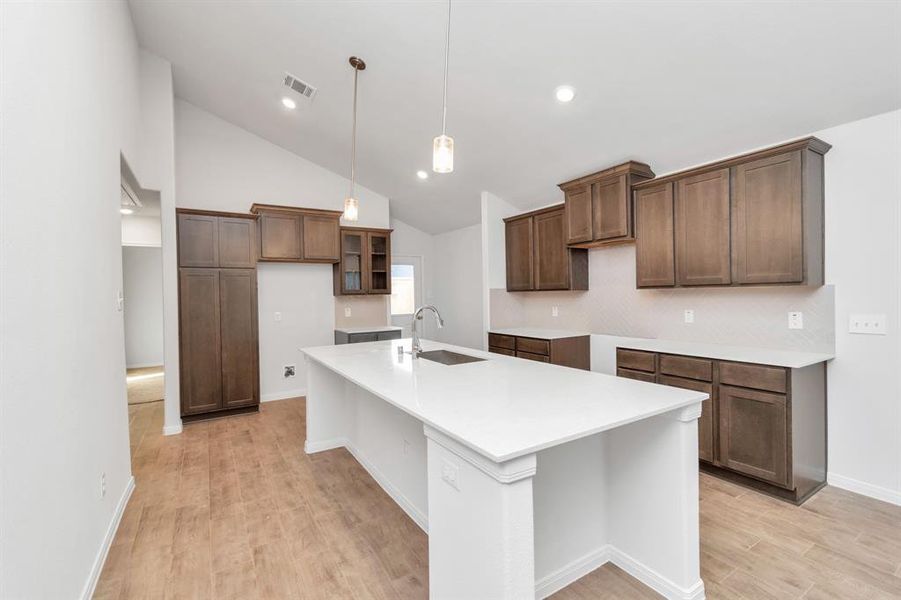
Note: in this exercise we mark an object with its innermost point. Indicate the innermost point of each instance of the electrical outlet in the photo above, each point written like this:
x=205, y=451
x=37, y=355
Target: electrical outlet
x=289, y=370
x=346, y=311
x=102, y=486
x=278, y=316
x=689, y=315
x=450, y=473
x=555, y=311
x=796, y=320
x=120, y=301
x=867, y=324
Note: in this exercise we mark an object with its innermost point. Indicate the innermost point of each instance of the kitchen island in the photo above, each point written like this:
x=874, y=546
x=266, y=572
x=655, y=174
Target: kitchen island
x=526, y=476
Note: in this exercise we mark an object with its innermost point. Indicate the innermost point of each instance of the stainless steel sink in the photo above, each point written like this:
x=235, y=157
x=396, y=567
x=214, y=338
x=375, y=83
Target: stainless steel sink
x=446, y=357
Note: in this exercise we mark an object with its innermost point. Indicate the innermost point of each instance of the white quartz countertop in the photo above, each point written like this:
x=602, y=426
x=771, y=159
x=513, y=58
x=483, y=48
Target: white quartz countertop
x=374, y=329
x=541, y=334
x=502, y=407
x=764, y=356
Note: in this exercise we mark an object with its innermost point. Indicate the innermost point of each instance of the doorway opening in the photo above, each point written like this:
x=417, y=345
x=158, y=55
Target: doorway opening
x=141, y=303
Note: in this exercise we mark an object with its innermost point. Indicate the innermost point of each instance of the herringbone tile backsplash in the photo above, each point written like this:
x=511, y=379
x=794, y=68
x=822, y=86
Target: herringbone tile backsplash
x=756, y=316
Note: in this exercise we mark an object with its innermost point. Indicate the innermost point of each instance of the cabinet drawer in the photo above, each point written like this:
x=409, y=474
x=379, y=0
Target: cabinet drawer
x=635, y=359
x=530, y=356
x=388, y=335
x=639, y=375
x=533, y=345
x=504, y=351
x=686, y=366
x=758, y=377
x=356, y=338
x=502, y=341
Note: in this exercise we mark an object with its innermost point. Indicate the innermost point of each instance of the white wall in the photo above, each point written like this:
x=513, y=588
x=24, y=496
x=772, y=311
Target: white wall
x=141, y=231
x=142, y=275
x=458, y=286
x=406, y=240
x=63, y=410
x=156, y=171
x=863, y=262
x=494, y=251
x=222, y=167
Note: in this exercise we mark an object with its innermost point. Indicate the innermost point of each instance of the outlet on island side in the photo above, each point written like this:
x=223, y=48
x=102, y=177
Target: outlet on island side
x=289, y=370
x=689, y=315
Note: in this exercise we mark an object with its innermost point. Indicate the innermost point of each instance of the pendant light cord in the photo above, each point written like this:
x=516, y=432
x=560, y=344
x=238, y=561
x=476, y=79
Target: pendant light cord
x=353, y=141
x=446, y=54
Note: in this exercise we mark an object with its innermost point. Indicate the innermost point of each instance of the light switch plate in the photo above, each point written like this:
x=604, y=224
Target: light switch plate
x=867, y=324
x=278, y=316
x=555, y=311
x=346, y=311
x=796, y=320
x=689, y=315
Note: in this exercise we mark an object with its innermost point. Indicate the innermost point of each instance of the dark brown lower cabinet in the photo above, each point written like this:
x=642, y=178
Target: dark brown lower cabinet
x=218, y=354
x=572, y=351
x=764, y=426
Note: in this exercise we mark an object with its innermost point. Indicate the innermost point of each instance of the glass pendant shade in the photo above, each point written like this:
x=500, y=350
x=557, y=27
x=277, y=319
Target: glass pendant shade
x=443, y=154
x=351, y=209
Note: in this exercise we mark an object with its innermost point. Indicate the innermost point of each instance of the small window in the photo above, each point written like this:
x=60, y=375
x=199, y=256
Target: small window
x=403, y=290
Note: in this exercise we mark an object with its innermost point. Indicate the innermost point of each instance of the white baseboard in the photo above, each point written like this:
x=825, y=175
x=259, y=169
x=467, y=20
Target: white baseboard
x=273, y=396
x=172, y=429
x=323, y=445
x=144, y=365
x=562, y=577
x=864, y=489
x=88, y=591
x=653, y=579
x=408, y=507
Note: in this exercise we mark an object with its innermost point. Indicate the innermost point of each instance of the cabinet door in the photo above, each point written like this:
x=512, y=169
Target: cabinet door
x=578, y=215
x=321, y=239
x=610, y=198
x=753, y=432
x=237, y=243
x=240, y=349
x=198, y=240
x=706, y=420
x=702, y=229
x=199, y=341
x=519, y=249
x=551, y=253
x=280, y=236
x=767, y=235
x=350, y=274
x=379, y=263
x=654, y=262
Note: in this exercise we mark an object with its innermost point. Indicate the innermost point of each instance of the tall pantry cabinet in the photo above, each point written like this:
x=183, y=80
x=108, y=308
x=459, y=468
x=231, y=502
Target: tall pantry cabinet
x=219, y=344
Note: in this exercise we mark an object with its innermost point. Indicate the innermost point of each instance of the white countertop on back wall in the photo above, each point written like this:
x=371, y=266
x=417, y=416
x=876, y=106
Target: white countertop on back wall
x=374, y=329
x=766, y=356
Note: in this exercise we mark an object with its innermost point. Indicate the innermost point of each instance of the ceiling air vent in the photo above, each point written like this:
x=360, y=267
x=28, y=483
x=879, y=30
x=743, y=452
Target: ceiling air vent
x=301, y=87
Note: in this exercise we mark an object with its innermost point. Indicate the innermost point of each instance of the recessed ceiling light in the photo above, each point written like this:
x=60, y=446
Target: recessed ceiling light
x=565, y=93
x=126, y=211
x=289, y=103
x=422, y=174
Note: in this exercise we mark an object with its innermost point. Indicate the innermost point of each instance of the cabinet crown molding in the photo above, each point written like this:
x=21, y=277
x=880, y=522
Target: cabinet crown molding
x=261, y=208
x=213, y=213
x=631, y=167
x=809, y=143
x=532, y=213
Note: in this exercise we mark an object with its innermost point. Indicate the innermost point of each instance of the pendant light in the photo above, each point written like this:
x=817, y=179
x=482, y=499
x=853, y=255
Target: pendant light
x=443, y=145
x=351, y=205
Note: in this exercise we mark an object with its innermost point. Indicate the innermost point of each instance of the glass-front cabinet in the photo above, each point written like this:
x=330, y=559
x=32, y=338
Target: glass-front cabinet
x=365, y=266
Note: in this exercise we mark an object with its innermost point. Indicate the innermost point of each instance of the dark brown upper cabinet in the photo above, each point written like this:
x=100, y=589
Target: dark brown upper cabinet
x=701, y=206
x=598, y=207
x=365, y=264
x=756, y=219
x=537, y=255
x=293, y=234
x=211, y=240
x=654, y=251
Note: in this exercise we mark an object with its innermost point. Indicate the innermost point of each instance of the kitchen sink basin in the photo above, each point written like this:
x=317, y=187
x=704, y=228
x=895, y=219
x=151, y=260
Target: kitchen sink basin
x=446, y=357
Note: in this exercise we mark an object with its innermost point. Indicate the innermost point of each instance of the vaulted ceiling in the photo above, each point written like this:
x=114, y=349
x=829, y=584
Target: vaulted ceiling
x=668, y=83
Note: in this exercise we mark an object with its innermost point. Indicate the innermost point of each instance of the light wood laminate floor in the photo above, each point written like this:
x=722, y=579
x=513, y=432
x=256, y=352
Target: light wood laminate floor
x=233, y=508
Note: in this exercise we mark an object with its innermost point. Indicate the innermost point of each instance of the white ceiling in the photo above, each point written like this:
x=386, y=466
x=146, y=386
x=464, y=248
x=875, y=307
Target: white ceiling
x=669, y=83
